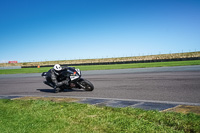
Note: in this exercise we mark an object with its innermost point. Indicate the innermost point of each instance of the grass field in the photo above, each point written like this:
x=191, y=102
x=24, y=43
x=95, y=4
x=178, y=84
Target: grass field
x=106, y=67
x=37, y=116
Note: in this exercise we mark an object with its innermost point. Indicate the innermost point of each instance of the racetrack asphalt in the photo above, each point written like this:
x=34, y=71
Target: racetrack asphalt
x=148, y=88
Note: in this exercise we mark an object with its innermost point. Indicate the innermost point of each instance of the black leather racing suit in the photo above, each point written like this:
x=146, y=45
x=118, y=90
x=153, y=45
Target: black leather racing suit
x=52, y=77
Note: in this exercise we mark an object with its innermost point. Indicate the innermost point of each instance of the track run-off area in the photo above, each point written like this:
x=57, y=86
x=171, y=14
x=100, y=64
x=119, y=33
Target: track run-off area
x=121, y=87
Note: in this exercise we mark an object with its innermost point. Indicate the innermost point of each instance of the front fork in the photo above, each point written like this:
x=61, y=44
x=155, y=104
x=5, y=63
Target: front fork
x=79, y=83
x=81, y=86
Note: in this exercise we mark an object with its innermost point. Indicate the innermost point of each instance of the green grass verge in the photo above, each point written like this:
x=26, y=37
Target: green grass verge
x=106, y=67
x=33, y=116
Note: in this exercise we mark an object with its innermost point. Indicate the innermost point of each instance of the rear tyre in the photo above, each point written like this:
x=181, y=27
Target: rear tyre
x=62, y=88
x=56, y=90
x=88, y=86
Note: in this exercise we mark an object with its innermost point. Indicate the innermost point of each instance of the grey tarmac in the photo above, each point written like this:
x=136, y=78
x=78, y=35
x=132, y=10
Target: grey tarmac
x=148, y=88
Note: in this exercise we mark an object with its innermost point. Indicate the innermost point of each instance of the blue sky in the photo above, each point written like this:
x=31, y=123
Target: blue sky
x=44, y=30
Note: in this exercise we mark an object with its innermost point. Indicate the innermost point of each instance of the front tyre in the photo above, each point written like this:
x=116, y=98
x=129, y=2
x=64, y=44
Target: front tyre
x=87, y=85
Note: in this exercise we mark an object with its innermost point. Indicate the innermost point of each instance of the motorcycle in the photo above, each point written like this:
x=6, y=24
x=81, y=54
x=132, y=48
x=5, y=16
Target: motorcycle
x=75, y=80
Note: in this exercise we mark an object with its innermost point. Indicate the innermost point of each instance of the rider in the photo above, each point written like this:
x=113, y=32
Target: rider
x=53, y=75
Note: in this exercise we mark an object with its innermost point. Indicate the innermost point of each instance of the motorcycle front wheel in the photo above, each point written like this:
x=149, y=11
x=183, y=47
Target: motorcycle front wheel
x=86, y=85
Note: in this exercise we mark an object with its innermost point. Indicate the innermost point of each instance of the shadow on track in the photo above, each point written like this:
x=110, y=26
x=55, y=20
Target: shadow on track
x=46, y=90
x=66, y=90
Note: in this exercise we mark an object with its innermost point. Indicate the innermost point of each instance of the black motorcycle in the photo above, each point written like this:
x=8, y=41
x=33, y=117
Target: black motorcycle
x=75, y=80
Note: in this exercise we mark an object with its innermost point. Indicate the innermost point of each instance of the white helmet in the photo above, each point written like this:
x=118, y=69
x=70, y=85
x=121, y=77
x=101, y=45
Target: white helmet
x=57, y=67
